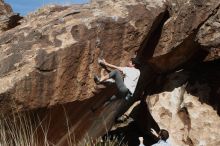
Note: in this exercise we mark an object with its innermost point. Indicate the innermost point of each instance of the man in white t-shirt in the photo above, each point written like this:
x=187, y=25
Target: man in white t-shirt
x=125, y=85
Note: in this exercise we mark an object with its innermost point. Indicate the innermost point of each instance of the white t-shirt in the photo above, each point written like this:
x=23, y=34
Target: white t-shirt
x=161, y=143
x=131, y=77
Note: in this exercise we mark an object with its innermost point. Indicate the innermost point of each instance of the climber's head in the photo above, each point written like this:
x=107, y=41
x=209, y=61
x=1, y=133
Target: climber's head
x=164, y=134
x=134, y=63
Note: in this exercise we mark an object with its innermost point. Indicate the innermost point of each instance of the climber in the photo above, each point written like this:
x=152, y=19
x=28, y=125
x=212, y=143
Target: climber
x=162, y=136
x=125, y=86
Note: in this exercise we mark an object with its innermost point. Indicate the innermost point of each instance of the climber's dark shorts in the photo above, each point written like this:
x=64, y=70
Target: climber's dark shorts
x=117, y=76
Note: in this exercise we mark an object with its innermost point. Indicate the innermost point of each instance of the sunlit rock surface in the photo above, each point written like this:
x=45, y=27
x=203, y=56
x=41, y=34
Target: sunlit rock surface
x=189, y=111
x=8, y=19
x=47, y=65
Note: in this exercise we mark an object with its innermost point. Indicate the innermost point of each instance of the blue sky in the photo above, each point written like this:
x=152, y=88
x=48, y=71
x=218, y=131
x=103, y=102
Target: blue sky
x=25, y=6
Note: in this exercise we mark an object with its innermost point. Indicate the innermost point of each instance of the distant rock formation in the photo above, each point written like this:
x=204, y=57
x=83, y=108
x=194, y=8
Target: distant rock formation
x=47, y=65
x=8, y=19
x=5, y=8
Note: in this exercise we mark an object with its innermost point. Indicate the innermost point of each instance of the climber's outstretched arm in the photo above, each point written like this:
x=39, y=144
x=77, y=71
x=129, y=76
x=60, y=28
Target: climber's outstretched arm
x=111, y=65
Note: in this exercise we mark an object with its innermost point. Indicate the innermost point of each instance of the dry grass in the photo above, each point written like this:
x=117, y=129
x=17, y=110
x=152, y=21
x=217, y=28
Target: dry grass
x=21, y=130
x=17, y=130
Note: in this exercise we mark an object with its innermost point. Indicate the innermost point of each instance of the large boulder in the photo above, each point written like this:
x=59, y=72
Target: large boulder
x=48, y=62
x=52, y=56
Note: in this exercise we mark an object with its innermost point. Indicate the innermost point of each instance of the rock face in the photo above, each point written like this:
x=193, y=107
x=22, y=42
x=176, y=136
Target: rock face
x=48, y=62
x=5, y=8
x=52, y=55
x=188, y=39
x=189, y=111
x=8, y=19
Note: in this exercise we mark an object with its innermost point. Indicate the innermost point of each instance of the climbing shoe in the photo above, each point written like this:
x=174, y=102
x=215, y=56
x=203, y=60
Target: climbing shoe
x=97, y=79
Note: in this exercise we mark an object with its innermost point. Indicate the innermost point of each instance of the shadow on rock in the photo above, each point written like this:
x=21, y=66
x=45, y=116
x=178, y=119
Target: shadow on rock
x=202, y=78
x=138, y=125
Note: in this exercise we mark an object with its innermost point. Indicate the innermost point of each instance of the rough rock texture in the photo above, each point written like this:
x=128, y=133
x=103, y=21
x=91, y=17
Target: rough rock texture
x=8, y=19
x=52, y=56
x=47, y=65
x=5, y=8
x=188, y=39
x=178, y=35
x=190, y=111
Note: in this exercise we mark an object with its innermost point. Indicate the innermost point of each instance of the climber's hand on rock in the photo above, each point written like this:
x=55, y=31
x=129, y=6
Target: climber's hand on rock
x=102, y=61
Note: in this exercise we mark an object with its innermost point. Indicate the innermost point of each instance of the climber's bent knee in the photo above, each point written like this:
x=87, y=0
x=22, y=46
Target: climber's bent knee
x=114, y=73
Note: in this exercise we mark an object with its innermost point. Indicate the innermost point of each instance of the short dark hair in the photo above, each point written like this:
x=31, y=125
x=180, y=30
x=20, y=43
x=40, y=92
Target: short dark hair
x=164, y=134
x=136, y=62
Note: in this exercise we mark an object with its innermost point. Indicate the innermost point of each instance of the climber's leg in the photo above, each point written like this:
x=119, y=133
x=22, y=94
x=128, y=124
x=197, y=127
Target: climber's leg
x=117, y=76
x=101, y=79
